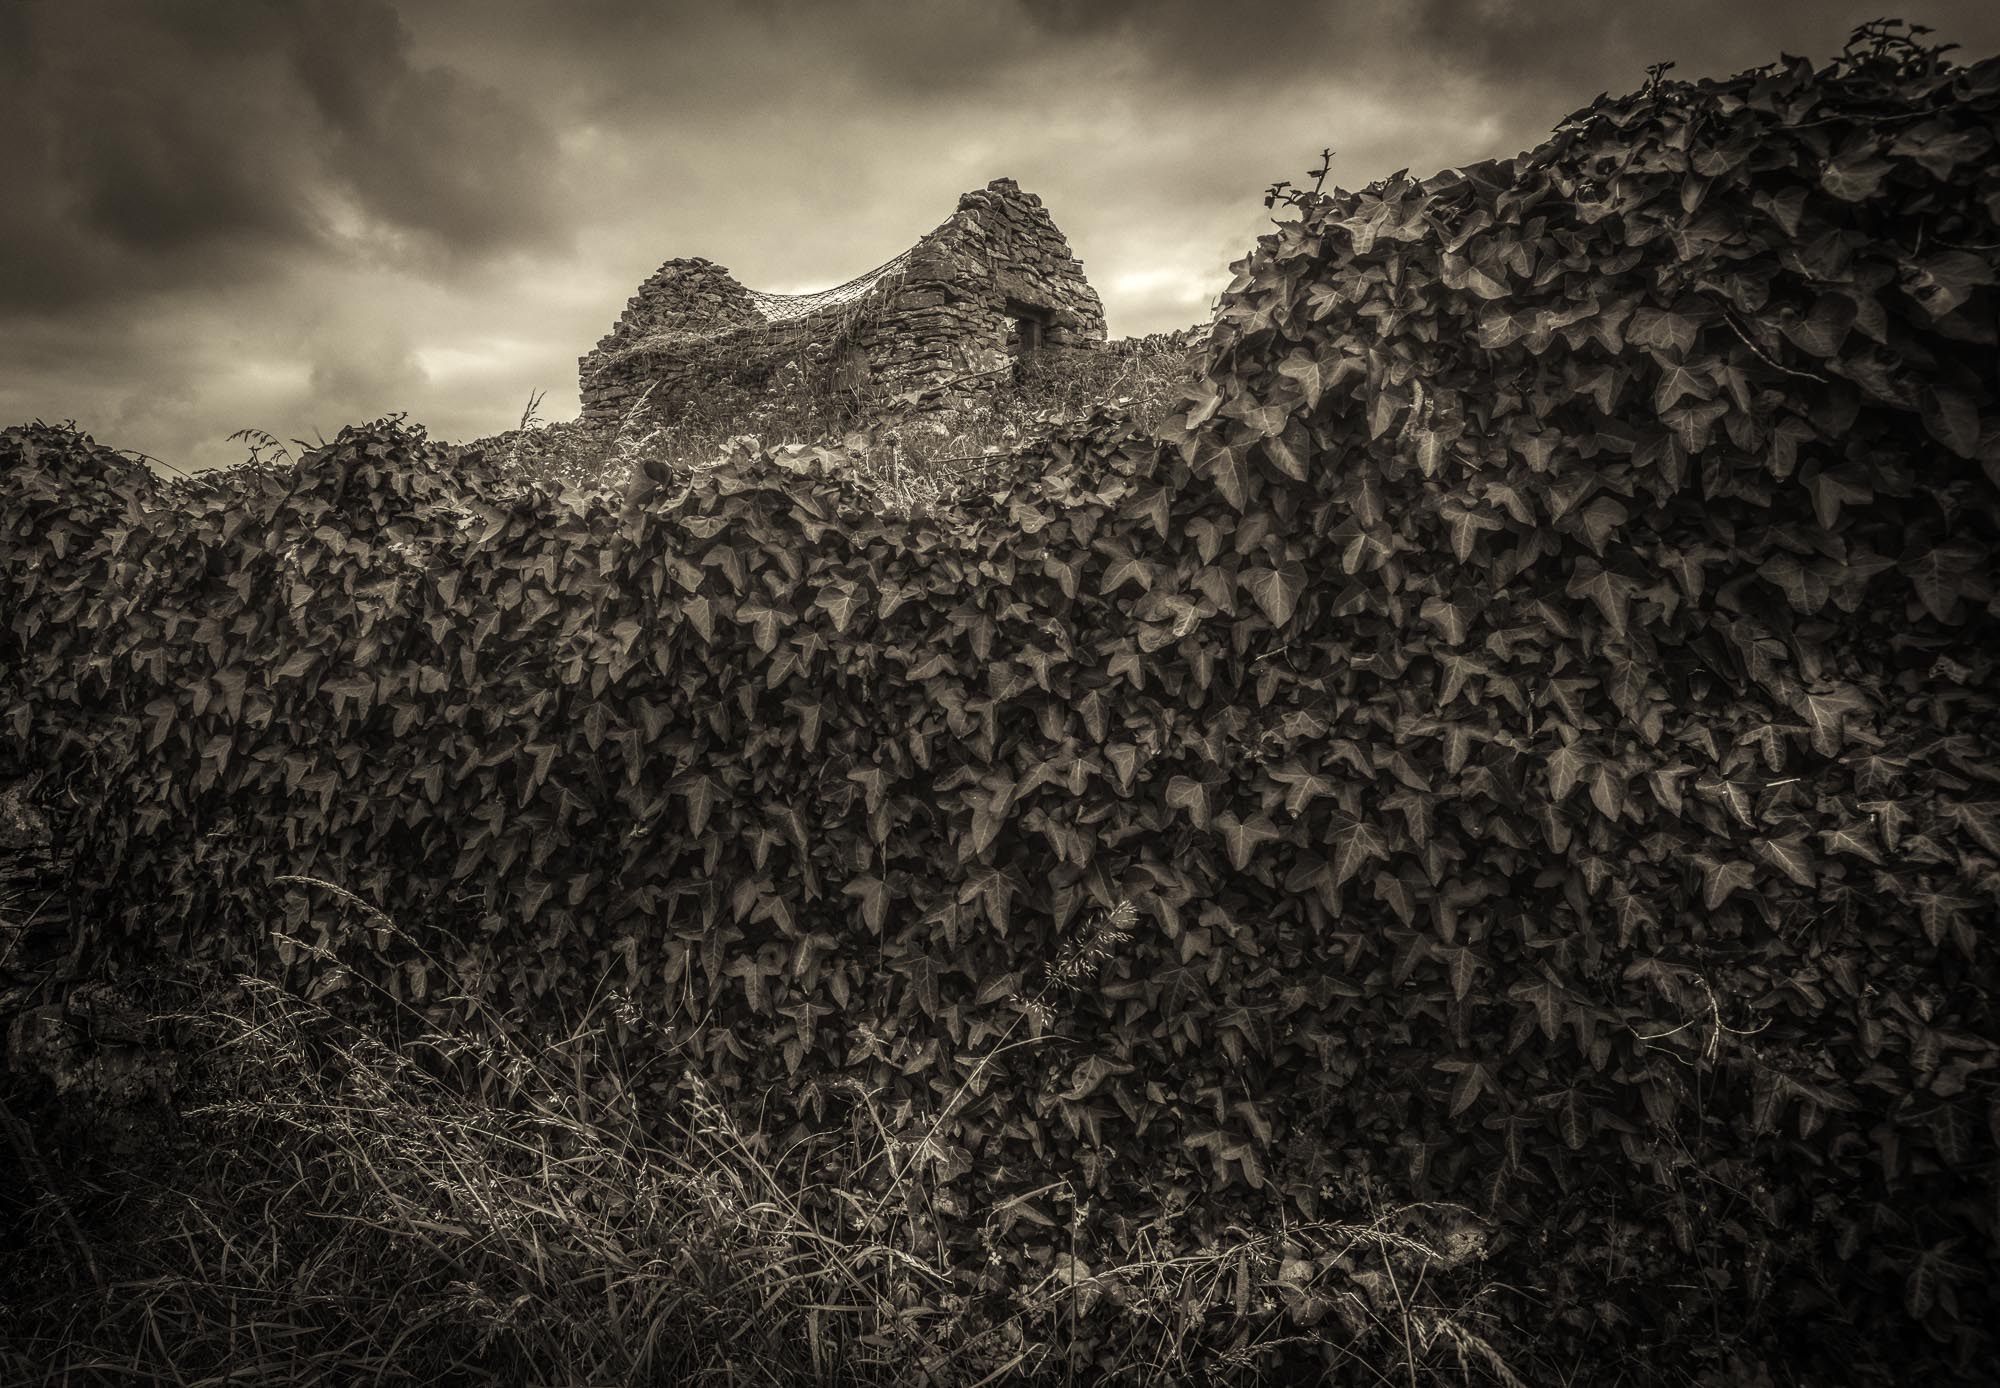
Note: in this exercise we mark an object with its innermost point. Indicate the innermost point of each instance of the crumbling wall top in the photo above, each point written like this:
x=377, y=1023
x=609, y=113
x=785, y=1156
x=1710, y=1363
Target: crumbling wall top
x=684, y=295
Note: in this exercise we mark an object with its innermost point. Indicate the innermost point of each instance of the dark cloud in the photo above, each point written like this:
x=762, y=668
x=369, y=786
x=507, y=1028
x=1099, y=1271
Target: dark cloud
x=1215, y=44
x=167, y=144
x=1079, y=16
x=1560, y=40
x=1526, y=44
x=220, y=213
x=1549, y=54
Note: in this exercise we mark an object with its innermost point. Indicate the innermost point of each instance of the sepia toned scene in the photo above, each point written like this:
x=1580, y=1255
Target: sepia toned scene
x=1030, y=692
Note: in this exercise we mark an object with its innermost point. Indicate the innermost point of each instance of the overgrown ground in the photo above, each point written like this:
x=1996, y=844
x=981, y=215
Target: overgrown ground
x=325, y=1204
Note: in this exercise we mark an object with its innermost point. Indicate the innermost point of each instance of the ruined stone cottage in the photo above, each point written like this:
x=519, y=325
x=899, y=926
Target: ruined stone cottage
x=937, y=326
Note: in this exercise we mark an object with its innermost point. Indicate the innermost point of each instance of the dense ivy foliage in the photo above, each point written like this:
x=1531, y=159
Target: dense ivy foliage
x=1539, y=697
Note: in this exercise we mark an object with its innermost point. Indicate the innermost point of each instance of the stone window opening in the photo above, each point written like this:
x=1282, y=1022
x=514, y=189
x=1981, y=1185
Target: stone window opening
x=1031, y=325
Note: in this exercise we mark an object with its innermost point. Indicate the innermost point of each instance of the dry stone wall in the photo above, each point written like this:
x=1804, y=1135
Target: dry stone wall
x=994, y=281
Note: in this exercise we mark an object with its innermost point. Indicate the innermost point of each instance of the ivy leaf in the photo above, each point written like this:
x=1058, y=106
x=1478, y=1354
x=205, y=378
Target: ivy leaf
x=1720, y=878
x=700, y=613
x=1790, y=856
x=1473, y=1076
x=1854, y=840
x=840, y=602
x=1980, y=822
x=1306, y=786
x=1186, y=793
x=926, y=977
x=1826, y=718
x=1939, y=575
x=359, y=688
x=1805, y=589
x=1546, y=997
x=1600, y=521
x=1089, y=1073
x=1854, y=176
x=1396, y=894
x=1940, y=149
x=1303, y=367
x=1607, y=789
x=1678, y=382
x=1631, y=914
x=1731, y=796
x=995, y=889
x=1208, y=535
x=1609, y=591
x=1939, y=912
x=1124, y=569
x=1689, y=569
x=1461, y=971
x=989, y=814
x=1627, y=680
x=763, y=620
x=1228, y=467
x=1287, y=451
x=541, y=757
x=1941, y=283
x=1276, y=591
x=1241, y=837
x=1355, y=846
x=1692, y=423
x=873, y=894
x=1458, y=272
x=1465, y=525
x=1951, y=417
x=1452, y=619
x=1567, y=766
x=701, y=792
x=1831, y=490
x=1823, y=330
x=1661, y=329
x=1570, y=1121
x=1205, y=398
x=1539, y=448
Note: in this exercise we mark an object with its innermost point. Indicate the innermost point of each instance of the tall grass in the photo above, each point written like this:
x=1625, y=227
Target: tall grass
x=361, y=1201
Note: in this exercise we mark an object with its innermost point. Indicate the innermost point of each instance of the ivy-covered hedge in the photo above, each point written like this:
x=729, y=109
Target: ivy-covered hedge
x=1540, y=699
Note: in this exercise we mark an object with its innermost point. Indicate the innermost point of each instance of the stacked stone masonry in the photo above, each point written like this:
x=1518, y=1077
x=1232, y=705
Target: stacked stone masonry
x=994, y=282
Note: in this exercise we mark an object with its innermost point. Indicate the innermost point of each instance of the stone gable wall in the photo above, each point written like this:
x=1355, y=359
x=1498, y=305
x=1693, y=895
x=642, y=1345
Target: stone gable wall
x=939, y=331
x=682, y=294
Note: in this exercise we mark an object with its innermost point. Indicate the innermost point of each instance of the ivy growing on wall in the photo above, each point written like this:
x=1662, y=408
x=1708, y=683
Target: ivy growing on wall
x=1538, y=698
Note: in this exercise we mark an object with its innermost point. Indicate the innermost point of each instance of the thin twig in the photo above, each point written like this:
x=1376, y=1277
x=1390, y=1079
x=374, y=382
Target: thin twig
x=1763, y=357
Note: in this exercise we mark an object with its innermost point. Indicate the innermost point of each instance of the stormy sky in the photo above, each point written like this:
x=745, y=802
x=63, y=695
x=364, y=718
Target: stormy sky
x=293, y=214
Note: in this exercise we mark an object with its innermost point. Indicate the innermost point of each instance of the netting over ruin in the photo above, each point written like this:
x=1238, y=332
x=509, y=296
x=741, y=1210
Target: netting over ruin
x=743, y=314
x=784, y=308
